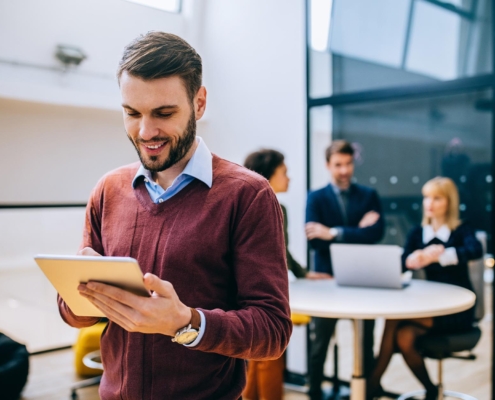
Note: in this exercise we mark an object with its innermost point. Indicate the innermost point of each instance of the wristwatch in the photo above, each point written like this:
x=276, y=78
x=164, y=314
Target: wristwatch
x=189, y=333
x=334, y=232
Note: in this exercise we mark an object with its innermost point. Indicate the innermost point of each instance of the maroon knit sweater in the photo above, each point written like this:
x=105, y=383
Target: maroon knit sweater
x=223, y=251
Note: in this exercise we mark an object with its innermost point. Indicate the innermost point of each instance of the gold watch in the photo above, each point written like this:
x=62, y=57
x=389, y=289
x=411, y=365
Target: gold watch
x=189, y=333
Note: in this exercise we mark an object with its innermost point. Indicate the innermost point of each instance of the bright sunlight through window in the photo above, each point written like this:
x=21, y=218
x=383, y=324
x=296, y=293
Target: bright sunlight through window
x=320, y=23
x=165, y=5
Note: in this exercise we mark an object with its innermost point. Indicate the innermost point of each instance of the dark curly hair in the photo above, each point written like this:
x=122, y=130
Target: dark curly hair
x=264, y=162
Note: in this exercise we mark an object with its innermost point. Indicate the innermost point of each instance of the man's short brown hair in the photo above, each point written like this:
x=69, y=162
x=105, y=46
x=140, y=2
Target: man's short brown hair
x=339, y=147
x=160, y=55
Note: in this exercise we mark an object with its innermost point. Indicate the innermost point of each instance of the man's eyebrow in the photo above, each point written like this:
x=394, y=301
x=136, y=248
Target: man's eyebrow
x=164, y=107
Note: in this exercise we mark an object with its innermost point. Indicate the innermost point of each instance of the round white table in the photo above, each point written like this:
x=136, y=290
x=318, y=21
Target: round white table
x=421, y=299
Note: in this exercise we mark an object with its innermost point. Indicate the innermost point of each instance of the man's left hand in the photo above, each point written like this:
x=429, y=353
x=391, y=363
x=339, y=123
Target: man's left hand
x=315, y=230
x=162, y=313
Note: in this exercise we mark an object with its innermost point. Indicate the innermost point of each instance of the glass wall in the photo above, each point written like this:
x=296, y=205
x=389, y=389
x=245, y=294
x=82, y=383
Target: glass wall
x=403, y=143
x=358, y=45
x=401, y=80
x=410, y=83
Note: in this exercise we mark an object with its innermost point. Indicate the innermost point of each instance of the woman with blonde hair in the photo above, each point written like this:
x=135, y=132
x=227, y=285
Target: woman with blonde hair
x=442, y=246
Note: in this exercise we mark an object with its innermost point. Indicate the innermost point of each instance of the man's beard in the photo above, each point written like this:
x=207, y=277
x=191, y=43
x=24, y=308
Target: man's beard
x=176, y=152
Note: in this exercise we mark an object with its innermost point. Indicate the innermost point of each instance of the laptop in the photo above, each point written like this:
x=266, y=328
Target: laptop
x=374, y=266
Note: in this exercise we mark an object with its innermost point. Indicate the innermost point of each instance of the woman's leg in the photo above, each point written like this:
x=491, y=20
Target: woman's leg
x=251, y=390
x=386, y=352
x=406, y=338
x=271, y=379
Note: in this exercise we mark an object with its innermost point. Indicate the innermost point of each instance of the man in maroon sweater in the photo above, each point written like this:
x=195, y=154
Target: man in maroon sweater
x=207, y=234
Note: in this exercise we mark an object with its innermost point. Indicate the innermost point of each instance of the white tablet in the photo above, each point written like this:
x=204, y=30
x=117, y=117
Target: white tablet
x=66, y=273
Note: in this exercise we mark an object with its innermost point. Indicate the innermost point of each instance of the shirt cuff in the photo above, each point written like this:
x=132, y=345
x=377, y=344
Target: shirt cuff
x=201, y=331
x=340, y=234
x=448, y=257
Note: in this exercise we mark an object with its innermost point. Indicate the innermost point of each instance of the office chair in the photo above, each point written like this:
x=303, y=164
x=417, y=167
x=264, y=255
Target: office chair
x=87, y=360
x=440, y=347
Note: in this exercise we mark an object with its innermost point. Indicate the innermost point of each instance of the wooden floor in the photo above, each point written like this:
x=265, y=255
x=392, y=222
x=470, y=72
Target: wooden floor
x=52, y=375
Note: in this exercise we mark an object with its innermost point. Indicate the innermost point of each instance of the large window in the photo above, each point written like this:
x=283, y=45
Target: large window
x=411, y=84
x=360, y=45
x=403, y=143
x=165, y=5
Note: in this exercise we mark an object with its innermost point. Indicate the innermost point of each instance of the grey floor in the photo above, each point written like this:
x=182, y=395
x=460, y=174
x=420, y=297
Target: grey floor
x=37, y=323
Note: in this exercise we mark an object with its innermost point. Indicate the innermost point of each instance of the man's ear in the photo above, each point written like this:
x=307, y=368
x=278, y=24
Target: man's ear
x=200, y=102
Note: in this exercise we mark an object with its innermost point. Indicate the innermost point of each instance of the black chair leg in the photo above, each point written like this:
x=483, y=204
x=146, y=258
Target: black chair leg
x=84, y=384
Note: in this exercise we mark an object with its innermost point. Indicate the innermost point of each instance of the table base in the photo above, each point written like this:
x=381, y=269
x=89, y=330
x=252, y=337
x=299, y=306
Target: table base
x=358, y=388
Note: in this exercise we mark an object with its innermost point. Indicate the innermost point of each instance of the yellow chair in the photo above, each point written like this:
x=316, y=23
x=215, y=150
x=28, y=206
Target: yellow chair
x=299, y=319
x=87, y=342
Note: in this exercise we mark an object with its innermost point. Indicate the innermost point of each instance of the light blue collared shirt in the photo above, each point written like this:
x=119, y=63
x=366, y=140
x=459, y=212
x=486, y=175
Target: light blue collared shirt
x=199, y=167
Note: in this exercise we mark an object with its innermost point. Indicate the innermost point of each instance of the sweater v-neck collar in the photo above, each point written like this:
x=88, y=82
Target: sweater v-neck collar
x=144, y=198
x=155, y=208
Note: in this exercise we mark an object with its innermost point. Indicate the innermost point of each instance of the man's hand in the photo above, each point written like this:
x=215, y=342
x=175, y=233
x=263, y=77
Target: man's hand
x=88, y=251
x=318, y=275
x=314, y=230
x=163, y=312
x=369, y=219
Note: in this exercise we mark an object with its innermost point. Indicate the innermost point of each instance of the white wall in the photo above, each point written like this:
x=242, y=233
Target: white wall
x=254, y=62
x=254, y=69
x=56, y=154
x=30, y=30
x=61, y=132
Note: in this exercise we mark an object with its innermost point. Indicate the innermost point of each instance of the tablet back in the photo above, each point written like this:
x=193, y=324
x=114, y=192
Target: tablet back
x=66, y=273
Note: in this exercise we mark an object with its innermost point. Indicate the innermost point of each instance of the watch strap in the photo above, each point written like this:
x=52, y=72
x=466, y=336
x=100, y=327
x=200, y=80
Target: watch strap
x=195, y=319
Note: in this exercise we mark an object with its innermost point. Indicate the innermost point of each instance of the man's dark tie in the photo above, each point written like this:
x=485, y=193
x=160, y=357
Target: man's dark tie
x=343, y=198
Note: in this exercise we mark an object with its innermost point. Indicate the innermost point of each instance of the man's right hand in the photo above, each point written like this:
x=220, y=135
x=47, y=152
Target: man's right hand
x=88, y=251
x=369, y=219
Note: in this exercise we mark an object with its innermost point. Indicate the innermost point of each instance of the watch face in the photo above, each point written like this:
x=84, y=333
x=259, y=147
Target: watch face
x=187, y=337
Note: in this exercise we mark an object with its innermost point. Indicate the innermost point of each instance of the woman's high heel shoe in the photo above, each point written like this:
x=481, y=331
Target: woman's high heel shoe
x=432, y=394
x=372, y=394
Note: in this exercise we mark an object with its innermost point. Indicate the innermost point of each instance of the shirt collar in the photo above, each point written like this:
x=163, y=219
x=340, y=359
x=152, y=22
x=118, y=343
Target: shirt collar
x=443, y=233
x=338, y=190
x=200, y=166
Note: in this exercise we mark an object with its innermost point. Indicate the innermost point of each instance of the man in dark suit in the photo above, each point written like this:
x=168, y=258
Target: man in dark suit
x=341, y=212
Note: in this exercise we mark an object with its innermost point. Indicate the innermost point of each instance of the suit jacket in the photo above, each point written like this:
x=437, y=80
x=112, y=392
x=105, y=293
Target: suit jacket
x=323, y=207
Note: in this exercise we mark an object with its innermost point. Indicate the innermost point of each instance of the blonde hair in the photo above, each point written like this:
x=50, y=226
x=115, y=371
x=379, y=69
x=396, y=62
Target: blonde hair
x=444, y=187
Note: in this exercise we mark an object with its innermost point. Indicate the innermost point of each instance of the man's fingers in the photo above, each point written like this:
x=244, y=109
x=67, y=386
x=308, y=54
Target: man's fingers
x=112, y=315
x=87, y=251
x=112, y=309
x=109, y=302
x=155, y=284
x=114, y=293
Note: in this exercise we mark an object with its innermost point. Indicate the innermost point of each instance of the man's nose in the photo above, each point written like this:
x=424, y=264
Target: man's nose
x=147, y=129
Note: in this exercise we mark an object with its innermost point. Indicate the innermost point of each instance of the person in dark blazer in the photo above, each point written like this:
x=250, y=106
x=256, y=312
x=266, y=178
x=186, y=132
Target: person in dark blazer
x=341, y=212
x=442, y=246
x=265, y=378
